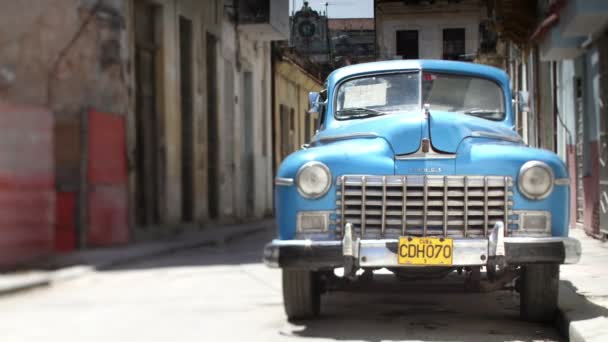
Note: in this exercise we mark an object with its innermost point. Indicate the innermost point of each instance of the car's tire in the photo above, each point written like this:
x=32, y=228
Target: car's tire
x=301, y=294
x=538, y=287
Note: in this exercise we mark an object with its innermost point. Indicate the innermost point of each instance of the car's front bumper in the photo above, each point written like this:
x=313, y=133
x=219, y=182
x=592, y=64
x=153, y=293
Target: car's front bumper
x=310, y=254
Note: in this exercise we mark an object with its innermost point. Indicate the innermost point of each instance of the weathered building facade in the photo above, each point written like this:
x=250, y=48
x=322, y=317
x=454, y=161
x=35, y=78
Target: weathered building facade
x=353, y=40
x=294, y=78
x=159, y=114
x=558, y=54
x=448, y=29
x=309, y=34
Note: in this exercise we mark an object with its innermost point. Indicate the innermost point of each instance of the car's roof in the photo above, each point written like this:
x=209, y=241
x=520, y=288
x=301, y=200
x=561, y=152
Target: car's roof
x=424, y=64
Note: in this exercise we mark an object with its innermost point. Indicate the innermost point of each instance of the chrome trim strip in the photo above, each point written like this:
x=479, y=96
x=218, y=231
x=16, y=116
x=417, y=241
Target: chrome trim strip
x=345, y=136
x=382, y=224
x=420, y=154
x=445, y=206
x=466, y=205
x=484, y=134
x=562, y=181
x=506, y=207
x=485, y=206
x=281, y=181
x=420, y=104
x=430, y=155
x=363, y=195
x=342, y=205
x=404, y=206
x=306, y=242
x=425, y=204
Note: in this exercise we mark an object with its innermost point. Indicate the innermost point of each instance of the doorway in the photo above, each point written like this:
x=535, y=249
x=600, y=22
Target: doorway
x=212, y=128
x=147, y=116
x=187, y=136
x=248, y=143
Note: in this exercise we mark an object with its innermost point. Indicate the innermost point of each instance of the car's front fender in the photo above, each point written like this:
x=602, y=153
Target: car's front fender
x=505, y=158
x=369, y=156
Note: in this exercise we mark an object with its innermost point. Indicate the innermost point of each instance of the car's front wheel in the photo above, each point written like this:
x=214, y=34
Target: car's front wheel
x=301, y=293
x=538, y=287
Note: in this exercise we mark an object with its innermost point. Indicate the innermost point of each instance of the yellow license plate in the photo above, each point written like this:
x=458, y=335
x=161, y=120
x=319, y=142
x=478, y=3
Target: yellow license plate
x=428, y=251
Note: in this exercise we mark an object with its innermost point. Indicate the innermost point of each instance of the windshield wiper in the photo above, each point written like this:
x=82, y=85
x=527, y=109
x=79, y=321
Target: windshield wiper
x=359, y=112
x=481, y=112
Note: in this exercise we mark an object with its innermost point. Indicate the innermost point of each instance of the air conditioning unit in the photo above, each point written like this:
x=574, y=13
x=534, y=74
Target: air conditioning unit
x=265, y=19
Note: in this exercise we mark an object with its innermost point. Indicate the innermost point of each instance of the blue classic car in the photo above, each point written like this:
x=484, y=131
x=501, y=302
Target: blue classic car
x=417, y=168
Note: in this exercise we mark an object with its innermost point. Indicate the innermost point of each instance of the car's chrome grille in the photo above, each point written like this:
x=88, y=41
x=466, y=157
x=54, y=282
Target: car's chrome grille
x=450, y=206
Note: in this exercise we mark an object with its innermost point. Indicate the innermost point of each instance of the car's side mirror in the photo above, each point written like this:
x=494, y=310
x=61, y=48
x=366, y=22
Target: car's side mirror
x=523, y=102
x=315, y=103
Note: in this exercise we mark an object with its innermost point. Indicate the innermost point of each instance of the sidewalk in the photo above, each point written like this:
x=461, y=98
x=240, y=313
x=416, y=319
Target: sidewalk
x=584, y=292
x=73, y=265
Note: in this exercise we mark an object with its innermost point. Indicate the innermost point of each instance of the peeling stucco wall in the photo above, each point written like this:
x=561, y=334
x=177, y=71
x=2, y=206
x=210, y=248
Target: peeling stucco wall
x=67, y=56
x=73, y=56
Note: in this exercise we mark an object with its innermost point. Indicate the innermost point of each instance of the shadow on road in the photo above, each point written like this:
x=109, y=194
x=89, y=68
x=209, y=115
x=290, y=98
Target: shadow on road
x=384, y=310
x=388, y=309
x=575, y=307
x=244, y=250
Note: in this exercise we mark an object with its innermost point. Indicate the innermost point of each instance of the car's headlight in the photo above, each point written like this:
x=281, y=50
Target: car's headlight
x=535, y=180
x=313, y=179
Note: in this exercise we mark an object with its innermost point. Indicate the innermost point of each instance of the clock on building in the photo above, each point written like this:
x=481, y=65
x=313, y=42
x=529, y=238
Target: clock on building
x=306, y=29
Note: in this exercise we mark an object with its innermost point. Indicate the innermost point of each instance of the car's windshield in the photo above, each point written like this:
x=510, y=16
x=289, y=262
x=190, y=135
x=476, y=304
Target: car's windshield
x=378, y=95
x=464, y=94
x=398, y=93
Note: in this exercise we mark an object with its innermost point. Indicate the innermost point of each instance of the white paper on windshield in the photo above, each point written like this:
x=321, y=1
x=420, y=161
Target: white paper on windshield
x=365, y=95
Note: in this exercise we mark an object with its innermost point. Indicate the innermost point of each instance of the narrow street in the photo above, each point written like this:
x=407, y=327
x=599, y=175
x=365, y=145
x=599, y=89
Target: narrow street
x=225, y=293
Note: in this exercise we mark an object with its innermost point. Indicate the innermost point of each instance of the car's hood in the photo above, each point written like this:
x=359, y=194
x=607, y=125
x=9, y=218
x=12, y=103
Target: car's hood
x=447, y=129
x=402, y=131
x=405, y=131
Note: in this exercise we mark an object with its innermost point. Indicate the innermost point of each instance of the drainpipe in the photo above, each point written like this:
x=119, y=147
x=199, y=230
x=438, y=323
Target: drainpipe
x=273, y=58
x=375, y=31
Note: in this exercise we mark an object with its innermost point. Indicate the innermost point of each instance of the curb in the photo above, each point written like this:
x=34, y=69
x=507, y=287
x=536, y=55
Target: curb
x=579, y=319
x=16, y=283
x=183, y=245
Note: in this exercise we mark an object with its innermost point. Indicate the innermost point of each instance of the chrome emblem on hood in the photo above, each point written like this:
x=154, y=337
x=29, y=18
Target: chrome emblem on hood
x=425, y=169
